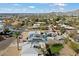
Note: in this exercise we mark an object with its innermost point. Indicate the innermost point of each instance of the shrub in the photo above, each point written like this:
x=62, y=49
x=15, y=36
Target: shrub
x=54, y=49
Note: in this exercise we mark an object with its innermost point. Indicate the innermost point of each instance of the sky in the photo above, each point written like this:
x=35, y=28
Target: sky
x=37, y=7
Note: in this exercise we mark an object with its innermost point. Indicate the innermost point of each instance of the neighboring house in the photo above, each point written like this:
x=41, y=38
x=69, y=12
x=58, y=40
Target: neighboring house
x=76, y=38
x=77, y=31
x=36, y=25
x=67, y=27
x=1, y=25
x=53, y=37
x=40, y=23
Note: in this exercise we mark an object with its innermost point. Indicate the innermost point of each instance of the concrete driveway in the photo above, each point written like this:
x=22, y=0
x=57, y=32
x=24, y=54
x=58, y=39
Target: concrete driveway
x=28, y=50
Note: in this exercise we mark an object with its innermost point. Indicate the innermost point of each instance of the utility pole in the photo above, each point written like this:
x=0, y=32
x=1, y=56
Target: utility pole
x=18, y=44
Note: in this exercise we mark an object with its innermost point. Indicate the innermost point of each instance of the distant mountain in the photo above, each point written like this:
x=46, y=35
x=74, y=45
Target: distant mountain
x=74, y=12
x=69, y=13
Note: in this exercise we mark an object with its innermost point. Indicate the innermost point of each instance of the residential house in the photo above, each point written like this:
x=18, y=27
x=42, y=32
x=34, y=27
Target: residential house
x=76, y=38
x=1, y=25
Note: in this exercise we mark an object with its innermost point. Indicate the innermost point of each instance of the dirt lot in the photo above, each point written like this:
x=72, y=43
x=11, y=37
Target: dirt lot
x=67, y=51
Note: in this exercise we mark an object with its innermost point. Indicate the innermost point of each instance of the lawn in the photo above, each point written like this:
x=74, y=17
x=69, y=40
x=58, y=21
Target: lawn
x=56, y=48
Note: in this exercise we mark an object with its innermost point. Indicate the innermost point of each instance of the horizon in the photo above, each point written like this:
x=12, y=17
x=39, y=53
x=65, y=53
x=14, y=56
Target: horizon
x=37, y=7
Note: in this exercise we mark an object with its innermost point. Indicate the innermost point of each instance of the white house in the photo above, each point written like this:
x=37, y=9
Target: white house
x=67, y=27
x=1, y=26
x=36, y=25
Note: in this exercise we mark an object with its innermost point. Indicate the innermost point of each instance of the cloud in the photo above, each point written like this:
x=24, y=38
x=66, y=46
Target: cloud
x=61, y=9
x=60, y=4
x=14, y=10
x=16, y=4
x=31, y=7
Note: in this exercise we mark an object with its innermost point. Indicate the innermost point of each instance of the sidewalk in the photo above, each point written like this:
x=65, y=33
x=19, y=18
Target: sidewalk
x=11, y=50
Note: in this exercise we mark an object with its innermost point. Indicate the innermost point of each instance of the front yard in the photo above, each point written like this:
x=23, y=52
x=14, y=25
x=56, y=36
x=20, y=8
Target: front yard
x=56, y=48
x=53, y=50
